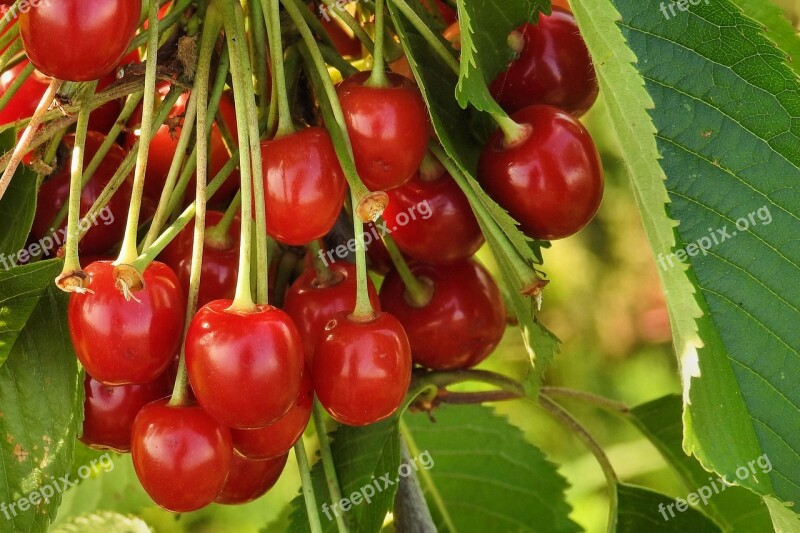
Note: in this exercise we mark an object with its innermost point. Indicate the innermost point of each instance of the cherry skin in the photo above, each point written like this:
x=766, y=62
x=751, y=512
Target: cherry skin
x=245, y=369
x=304, y=186
x=463, y=322
x=250, y=479
x=99, y=33
x=553, y=68
x=431, y=220
x=388, y=127
x=312, y=304
x=120, y=341
x=552, y=183
x=220, y=260
x=362, y=369
x=108, y=412
x=278, y=438
x=181, y=455
x=54, y=192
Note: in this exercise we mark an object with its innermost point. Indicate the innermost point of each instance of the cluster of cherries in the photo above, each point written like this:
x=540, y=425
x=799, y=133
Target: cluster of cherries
x=254, y=373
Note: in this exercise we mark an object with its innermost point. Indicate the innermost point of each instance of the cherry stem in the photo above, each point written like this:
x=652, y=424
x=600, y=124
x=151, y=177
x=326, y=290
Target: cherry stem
x=324, y=275
x=363, y=311
x=178, y=8
x=49, y=157
x=243, y=300
x=378, y=76
x=219, y=236
x=27, y=136
x=411, y=511
x=419, y=292
x=350, y=21
x=442, y=48
x=332, y=57
x=607, y=404
x=285, y=125
x=7, y=57
x=128, y=251
x=328, y=466
x=9, y=22
x=21, y=78
x=258, y=59
x=514, y=133
x=472, y=398
x=307, y=486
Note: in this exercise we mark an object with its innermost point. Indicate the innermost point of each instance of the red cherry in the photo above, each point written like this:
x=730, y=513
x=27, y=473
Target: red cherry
x=552, y=183
x=220, y=260
x=553, y=68
x=181, y=455
x=432, y=220
x=99, y=33
x=120, y=341
x=109, y=226
x=304, y=186
x=463, y=322
x=250, y=479
x=388, y=127
x=245, y=369
x=278, y=438
x=165, y=142
x=312, y=304
x=362, y=369
x=108, y=412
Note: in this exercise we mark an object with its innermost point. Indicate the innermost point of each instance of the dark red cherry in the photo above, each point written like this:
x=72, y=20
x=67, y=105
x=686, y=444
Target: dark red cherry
x=249, y=479
x=552, y=182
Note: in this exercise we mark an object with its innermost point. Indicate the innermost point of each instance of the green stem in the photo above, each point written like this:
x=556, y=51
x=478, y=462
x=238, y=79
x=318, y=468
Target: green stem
x=513, y=132
x=219, y=236
x=351, y=23
x=49, y=158
x=418, y=292
x=169, y=20
x=363, y=311
x=259, y=57
x=324, y=274
x=11, y=20
x=602, y=402
x=335, y=60
x=285, y=125
x=442, y=48
x=378, y=76
x=129, y=252
x=307, y=486
x=11, y=56
x=21, y=78
x=327, y=462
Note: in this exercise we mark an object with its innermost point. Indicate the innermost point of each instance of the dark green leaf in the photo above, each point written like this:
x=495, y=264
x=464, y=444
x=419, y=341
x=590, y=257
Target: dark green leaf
x=641, y=509
x=17, y=207
x=779, y=30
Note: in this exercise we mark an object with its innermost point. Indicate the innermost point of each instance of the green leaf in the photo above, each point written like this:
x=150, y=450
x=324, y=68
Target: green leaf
x=483, y=474
x=515, y=254
x=779, y=30
x=485, y=25
x=366, y=458
x=736, y=509
x=641, y=509
x=103, y=523
x=41, y=410
x=784, y=519
x=20, y=291
x=17, y=207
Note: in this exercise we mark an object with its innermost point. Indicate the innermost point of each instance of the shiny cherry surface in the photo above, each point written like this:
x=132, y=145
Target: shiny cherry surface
x=552, y=183
x=121, y=341
x=250, y=479
x=245, y=369
x=463, y=322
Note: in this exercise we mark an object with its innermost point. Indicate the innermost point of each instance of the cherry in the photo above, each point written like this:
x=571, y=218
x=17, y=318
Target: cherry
x=463, y=322
x=250, y=479
x=220, y=260
x=278, y=438
x=362, y=369
x=245, y=369
x=345, y=43
x=554, y=67
x=552, y=182
x=311, y=303
x=108, y=412
x=99, y=33
x=108, y=227
x=165, y=143
x=388, y=127
x=120, y=341
x=431, y=220
x=181, y=455
x=304, y=186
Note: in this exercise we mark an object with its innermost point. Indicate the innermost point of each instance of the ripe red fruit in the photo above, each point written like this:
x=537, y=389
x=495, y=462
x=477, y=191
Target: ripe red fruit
x=432, y=220
x=362, y=369
x=554, y=68
x=312, y=304
x=250, y=479
x=304, y=186
x=552, y=182
x=108, y=412
x=121, y=341
x=278, y=438
x=109, y=226
x=99, y=33
x=220, y=260
x=181, y=455
x=245, y=369
x=463, y=322
x=388, y=127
